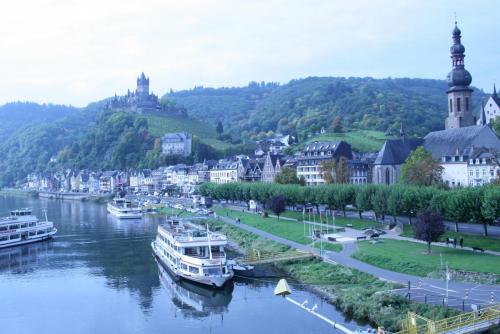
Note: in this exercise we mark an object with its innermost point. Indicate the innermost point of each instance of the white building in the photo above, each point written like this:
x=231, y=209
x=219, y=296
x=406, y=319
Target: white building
x=227, y=171
x=176, y=144
x=483, y=168
x=492, y=107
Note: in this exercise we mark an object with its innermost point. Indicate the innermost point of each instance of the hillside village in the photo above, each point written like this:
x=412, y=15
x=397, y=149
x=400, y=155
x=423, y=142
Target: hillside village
x=468, y=151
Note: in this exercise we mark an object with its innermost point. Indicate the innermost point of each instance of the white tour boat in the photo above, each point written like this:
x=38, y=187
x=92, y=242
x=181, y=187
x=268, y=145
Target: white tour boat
x=22, y=227
x=192, y=253
x=124, y=209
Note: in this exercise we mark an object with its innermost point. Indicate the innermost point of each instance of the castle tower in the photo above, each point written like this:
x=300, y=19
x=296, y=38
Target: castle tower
x=142, y=85
x=459, y=94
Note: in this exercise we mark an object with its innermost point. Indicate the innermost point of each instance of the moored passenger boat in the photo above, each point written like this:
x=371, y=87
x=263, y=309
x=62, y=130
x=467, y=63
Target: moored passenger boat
x=124, y=209
x=22, y=227
x=192, y=253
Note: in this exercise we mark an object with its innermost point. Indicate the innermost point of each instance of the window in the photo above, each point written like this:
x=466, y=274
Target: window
x=4, y=238
x=387, y=176
x=466, y=104
x=13, y=227
x=451, y=105
x=194, y=270
x=3, y=228
x=24, y=225
x=14, y=236
x=458, y=104
x=32, y=224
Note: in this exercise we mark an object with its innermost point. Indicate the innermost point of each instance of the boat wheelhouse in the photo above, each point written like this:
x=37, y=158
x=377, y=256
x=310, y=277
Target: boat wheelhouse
x=193, y=253
x=124, y=209
x=22, y=227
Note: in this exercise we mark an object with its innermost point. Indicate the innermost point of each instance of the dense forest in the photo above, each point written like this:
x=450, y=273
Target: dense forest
x=305, y=106
x=17, y=115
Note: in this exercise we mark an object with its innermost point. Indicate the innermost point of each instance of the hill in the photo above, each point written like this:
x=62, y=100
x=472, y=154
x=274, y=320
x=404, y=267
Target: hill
x=18, y=115
x=305, y=106
x=360, y=140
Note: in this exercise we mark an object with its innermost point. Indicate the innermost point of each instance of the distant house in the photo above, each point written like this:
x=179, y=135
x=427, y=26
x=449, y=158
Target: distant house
x=492, y=107
x=387, y=165
x=315, y=153
x=253, y=171
x=272, y=166
x=360, y=168
x=227, y=171
x=176, y=144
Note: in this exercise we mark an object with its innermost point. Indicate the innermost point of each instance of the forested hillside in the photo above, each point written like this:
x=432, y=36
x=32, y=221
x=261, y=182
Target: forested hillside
x=15, y=116
x=304, y=106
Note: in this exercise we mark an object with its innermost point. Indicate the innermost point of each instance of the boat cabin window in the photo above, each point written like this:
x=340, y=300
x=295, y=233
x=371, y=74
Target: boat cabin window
x=14, y=236
x=5, y=238
x=32, y=224
x=40, y=232
x=194, y=270
x=212, y=271
x=3, y=228
x=184, y=266
x=13, y=227
x=33, y=233
x=24, y=225
x=190, y=251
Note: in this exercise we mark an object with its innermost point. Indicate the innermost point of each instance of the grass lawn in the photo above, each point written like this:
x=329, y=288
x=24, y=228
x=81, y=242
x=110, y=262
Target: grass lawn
x=360, y=140
x=329, y=246
x=290, y=230
x=412, y=258
x=159, y=125
x=359, y=224
x=470, y=240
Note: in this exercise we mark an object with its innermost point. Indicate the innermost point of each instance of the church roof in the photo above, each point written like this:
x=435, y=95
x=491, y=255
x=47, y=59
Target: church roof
x=449, y=142
x=395, y=151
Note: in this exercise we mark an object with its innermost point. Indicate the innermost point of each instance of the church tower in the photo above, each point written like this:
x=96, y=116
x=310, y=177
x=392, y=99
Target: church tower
x=459, y=93
x=142, y=85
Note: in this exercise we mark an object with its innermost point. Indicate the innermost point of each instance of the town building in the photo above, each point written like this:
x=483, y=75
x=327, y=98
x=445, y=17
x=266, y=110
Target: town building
x=387, y=165
x=360, y=168
x=456, y=147
x=483, y=167
x=227, y=171
x=315, y=153
x=492, y=107
x=176, y=144
x=272, y=166
x=253, y=171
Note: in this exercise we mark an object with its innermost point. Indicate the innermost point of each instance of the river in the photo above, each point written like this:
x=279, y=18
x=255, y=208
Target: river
x=98, y=276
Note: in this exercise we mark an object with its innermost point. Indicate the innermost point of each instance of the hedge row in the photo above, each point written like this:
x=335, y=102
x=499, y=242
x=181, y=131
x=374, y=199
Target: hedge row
x=480, y=205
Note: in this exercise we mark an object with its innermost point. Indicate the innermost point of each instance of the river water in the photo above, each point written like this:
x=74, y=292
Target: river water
x=98, y=276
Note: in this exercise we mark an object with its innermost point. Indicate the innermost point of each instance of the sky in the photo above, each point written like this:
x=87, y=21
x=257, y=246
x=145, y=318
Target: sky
x=75, y=52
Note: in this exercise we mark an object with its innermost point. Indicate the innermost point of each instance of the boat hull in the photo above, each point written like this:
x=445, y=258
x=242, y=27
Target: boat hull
x=29, y=241
x=211, y=281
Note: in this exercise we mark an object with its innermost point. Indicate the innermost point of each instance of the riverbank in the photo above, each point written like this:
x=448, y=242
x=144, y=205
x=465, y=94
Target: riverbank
x=18, y=192
x=359, y=295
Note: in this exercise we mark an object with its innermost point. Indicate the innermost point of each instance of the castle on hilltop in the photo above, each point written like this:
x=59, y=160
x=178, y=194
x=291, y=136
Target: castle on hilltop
x=140, y=101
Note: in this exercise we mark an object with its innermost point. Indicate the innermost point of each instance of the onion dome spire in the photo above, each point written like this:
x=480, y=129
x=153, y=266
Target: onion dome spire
x=459, y=77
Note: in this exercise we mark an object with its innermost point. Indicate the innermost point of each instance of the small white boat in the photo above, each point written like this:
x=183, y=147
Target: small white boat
x=22, y=227
x=192, y=253
x=124, y=209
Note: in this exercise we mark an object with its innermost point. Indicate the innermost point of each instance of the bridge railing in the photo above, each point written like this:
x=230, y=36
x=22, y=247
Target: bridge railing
x=464, y=323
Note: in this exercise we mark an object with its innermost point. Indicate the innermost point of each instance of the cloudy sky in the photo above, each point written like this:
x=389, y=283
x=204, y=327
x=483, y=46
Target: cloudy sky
x=75, y=52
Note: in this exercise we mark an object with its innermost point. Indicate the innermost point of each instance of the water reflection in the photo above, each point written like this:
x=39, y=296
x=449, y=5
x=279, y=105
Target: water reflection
x=193, y=300
x=25, y=259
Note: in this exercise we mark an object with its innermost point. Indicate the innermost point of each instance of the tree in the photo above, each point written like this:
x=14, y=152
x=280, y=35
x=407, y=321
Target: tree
x=363, y=198
x=496, y=125
x=287, y=175
x=277, y=204
x=490, y=208
x=341, y=171
x=337, y=125
x=327, y=169
x=219, y=129
x=420, y=169
x=429, y=227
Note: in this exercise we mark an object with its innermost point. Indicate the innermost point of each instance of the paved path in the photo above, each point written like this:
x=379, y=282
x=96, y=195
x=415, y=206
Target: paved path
x=477, y=293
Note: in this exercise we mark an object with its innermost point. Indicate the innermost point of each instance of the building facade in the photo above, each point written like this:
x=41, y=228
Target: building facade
x=177, y=144
x=140, y=101
x=314, y=154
